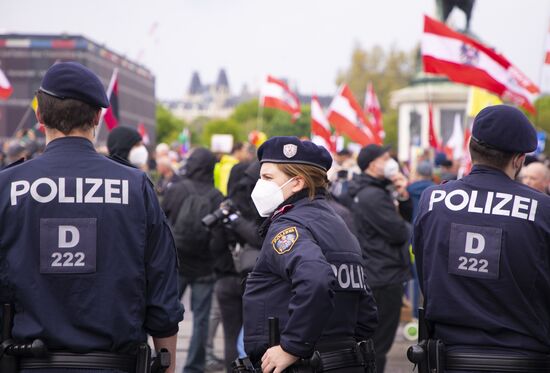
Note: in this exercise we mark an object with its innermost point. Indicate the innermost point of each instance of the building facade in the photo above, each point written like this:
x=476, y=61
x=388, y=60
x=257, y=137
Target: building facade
x=26, y=58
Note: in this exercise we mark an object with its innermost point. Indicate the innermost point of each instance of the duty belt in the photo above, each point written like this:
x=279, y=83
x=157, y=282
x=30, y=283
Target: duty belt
x=501, y=363
x=358, y=355
x=94, y=360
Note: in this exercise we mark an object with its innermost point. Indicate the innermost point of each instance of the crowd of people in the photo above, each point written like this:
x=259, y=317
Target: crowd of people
x=375, y=195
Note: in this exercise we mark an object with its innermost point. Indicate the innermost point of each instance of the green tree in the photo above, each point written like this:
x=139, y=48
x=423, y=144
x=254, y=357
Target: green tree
x=168, y=126
x=541, y=119
x=222, y=126
x=196, y=127
x=273, y=122
x=388, y=70
x=281, y=124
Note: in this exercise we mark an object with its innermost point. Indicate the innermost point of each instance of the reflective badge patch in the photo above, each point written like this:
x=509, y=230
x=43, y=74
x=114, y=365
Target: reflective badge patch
x=475, y=251
x=68, y=245
x=290, y=150
x=284, y=240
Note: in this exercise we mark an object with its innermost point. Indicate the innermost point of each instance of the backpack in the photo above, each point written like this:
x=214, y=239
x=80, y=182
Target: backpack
x=190, y=235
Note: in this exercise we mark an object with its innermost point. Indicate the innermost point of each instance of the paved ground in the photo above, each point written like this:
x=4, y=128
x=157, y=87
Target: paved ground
x=397, y=361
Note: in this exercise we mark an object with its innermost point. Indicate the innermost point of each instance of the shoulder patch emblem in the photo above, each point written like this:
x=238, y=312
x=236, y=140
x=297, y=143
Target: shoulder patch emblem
x=285, y=240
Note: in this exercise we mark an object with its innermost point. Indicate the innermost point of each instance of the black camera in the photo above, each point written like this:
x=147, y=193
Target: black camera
x=226, y=208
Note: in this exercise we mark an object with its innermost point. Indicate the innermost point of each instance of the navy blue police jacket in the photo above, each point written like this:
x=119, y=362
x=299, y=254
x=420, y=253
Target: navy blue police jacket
x=85, y=251
x=482, y=246
x=310, y=275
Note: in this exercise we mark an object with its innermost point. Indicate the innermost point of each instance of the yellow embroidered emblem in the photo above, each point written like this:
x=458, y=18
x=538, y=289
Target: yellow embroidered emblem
x=285, y=240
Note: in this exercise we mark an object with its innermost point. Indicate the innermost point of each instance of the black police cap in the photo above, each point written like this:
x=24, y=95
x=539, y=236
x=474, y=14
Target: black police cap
x=290, y=149
x=504, y=128
x=73, y=80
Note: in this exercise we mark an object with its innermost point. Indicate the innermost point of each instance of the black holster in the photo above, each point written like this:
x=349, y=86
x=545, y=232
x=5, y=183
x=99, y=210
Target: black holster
x=243, y=365
x=367, y=351
x=428, y=354
x=146, y=364
x=8, y=363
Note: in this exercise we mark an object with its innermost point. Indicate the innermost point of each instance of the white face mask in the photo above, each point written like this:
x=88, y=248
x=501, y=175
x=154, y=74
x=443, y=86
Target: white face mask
x=267, y=195
x=391, y=168
x=138, y=156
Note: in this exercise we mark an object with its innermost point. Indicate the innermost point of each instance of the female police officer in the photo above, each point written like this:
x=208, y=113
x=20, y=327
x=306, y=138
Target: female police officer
x=309, y=273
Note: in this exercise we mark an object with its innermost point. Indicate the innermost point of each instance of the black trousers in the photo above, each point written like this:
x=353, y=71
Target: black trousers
x=388, y=300
x=229, y=292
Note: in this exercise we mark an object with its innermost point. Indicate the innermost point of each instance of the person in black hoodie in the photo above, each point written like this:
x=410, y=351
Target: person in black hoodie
x=196, y=264
x=384, y=234
x=233, y=263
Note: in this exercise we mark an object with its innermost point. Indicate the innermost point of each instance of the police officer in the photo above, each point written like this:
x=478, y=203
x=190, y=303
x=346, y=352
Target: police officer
x=85, y=251
x=482, y=249
x=309, y=273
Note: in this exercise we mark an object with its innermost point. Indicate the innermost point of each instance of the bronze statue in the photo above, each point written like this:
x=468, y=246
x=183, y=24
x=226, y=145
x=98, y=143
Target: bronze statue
x=444, y=8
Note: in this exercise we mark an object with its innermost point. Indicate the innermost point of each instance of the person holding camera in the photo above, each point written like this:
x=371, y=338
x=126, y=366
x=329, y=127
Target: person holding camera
x=186, y=203
x=381, y=207
x=310, y=272
x=240, y=222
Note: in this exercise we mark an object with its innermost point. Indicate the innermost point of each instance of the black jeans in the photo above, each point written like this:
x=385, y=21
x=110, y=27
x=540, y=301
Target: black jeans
x=229, y=294
x=388, y=300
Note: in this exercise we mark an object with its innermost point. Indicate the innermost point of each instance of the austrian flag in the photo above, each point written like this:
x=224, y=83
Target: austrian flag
x=347, y=118
x=276, y=94
x=320, y=126
x=465, y=60
x=5, y=86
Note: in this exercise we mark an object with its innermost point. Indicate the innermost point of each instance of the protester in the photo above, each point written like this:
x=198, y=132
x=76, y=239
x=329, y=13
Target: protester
x=422, y=180
x=384, y=235
x=537, y=176
x=186, y=203
x=235, y=262
x=125, y=143
x=241, y=152
x=166, y=175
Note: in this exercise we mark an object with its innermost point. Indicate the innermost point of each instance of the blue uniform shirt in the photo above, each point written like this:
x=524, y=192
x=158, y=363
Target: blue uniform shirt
x=482, y=245
x=310, y=275
x=86, y=252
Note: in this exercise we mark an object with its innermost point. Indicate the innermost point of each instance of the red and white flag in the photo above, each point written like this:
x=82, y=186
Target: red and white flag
x=111, y=115
x=320, y=127
x=347, y=117
x=5, y=87
x=142, y=130
x=373, y=111
x=276, y=94
x=465, y=60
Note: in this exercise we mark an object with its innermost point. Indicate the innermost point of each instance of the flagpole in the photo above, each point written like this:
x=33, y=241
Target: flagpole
x=23, y=120
x=109, y=92
x=260, y=118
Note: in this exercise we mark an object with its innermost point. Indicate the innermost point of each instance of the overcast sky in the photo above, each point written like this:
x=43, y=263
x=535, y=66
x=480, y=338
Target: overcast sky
x=305, y=41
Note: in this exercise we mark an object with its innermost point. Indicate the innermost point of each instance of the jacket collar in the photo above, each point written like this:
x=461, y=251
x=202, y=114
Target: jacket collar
x=297, y=199
x=68, y=143
x=482, y=169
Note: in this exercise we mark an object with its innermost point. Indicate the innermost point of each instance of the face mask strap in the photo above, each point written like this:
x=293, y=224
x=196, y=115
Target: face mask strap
x=286, y=182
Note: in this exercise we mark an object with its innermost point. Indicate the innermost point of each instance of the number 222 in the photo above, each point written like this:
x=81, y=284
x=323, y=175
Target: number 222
x=473, y=264
x=68, y=256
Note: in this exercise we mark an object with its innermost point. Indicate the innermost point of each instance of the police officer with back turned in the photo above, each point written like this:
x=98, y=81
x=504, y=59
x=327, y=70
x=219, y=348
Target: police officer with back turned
x=86, y=256
x=482, y=245
x=309, y=273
